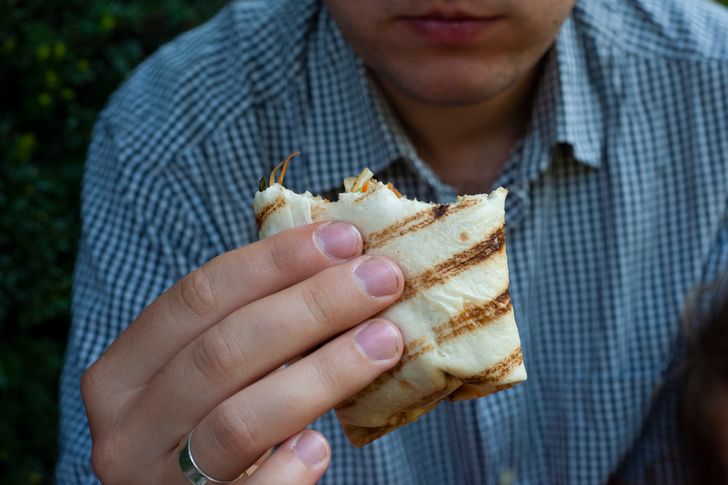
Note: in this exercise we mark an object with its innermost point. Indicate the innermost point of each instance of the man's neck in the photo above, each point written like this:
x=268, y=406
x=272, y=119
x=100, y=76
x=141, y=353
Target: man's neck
x=467, y=145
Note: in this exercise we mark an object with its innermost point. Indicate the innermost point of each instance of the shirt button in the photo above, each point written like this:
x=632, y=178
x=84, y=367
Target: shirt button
x=507, y=477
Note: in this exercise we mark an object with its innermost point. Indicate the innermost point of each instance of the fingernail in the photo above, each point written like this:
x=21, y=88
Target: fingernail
x=377, y=276
x=310, y=448
x=338, y=240
x=378, y=340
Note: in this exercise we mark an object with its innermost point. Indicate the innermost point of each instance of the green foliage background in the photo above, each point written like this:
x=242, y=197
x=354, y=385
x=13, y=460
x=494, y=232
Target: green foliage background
x=59, y=63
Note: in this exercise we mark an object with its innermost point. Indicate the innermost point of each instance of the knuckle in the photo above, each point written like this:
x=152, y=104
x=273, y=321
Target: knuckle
x=88, y=384
x=328, y=373
x=216, y=357
x=91, y=385
x=282, y=255
x=318, y=304
x=104, y=459
x=239, y=429
x=197, y=293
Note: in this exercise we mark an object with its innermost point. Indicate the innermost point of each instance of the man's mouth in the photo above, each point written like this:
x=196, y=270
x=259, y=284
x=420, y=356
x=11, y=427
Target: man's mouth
x=449, y=27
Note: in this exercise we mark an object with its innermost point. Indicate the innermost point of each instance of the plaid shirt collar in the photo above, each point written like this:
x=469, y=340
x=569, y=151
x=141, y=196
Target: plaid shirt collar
x=567, y=110
x=578, y=110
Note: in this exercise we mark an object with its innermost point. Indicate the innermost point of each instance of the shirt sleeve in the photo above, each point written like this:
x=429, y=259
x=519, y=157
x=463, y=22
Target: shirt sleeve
x=136, y=242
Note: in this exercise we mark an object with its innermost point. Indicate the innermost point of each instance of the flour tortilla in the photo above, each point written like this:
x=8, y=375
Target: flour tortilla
x=460, y=335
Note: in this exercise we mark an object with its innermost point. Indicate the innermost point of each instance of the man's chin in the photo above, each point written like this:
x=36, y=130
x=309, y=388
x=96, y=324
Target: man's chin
x=448, y=89
x=452, y=95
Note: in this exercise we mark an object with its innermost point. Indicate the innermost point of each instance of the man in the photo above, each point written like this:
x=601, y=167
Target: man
x=605, y=120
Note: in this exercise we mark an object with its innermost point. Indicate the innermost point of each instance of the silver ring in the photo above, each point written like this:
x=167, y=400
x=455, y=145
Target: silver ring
x=192, y=471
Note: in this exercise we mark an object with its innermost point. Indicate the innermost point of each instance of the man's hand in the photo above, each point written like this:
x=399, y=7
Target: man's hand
x=204, y=356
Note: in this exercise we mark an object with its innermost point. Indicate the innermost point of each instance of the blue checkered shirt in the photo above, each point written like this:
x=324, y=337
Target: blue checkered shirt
x=616, y=210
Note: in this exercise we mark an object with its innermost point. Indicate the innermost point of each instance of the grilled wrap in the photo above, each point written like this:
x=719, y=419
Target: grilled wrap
x=456, y=317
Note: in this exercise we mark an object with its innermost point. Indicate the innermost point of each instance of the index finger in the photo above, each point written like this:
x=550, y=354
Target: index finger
x=221, y=286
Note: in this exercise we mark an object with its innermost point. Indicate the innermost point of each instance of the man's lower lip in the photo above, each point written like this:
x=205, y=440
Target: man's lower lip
x=448, y=31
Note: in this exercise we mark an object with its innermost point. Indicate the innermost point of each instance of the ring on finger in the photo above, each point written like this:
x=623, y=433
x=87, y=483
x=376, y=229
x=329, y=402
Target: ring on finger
x=192, y=471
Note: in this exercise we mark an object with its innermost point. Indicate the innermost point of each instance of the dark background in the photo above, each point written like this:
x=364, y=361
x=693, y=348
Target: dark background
x=60, y=62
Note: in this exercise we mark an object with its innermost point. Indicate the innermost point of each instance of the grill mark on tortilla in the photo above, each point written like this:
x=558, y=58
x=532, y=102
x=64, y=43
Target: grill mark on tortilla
x=449, y=268
x=472, y=317
x=266, y=211
x=443, y=333
x=415, y=222
x=411, y=351
x=455, y=265
x=316, y=211
x=439, y=211
x=498, y=371
x=491, y=375
x=412, y=354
